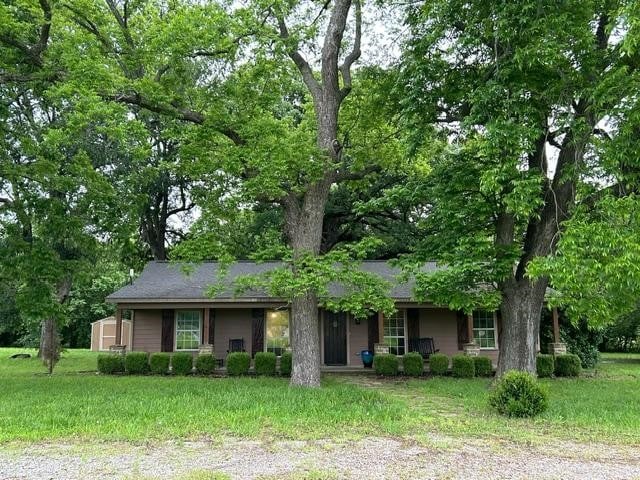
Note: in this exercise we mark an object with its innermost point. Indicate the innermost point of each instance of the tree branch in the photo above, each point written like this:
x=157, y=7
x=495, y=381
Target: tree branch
x=303, y=66
x=176, y=112
x=121, y=22
x=355, y=53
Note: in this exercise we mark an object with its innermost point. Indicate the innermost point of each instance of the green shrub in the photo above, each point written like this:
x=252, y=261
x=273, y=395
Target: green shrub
x=265, y=363
x=413, y=364
x=438, y=364
x=182, y=363
x=483, y=366
x=518, y=394
x=238, y=363
x=462, y=366
x=136, y=363
x=385, y=364
x=159, y=363
x=205, y=364
x=544, y=365
x=567, y=365
x=109, y=363
x=286, y=360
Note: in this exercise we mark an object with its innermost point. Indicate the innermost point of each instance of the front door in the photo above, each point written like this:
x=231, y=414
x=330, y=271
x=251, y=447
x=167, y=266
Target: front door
x=335, y=338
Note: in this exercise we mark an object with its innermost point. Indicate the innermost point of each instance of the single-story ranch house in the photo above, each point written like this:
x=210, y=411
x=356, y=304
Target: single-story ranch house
x=171, y=311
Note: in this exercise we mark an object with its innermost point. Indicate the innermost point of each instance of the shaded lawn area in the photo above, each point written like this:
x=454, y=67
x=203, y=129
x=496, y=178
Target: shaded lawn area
x=604, y=405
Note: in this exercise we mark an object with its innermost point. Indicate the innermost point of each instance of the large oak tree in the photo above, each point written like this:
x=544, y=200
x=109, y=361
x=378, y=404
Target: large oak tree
x=530, y=110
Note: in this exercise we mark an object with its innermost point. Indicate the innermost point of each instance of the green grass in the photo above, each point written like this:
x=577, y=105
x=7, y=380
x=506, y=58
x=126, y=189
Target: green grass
x=603, y=405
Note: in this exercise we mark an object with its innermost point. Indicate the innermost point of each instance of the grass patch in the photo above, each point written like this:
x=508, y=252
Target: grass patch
x=602, y=405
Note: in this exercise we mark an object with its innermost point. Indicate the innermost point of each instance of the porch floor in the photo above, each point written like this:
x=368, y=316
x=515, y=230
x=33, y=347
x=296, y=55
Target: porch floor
x=346, y=369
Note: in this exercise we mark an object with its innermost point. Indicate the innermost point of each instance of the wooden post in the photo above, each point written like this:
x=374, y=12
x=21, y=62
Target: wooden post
x=205, y=326
x=470, y=328
x=556, y=325
x=380, y=327
x=118, y=326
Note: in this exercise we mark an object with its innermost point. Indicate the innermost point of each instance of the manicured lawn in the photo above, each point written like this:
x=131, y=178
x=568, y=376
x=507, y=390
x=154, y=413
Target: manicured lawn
x=75, y=403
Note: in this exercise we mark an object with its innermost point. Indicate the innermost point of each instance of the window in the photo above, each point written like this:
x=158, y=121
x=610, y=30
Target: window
x=394, y=327
x=188, y=329
x=484, y=329
x=277, y=331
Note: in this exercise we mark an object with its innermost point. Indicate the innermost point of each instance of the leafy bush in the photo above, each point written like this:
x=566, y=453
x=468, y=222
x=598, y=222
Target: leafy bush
x=385, y=364
x=286, y=360
x=567, y=365
x=205, y=364
x=438, y=364
x=544, y=365
x=518, y=394
x=265, y=363
x=579, y=338
x=182, y=363
x=159, y=363
x=136, y=363
x=462, y=366
x=109, y=363
x=413, y=364
x=483, y=366
x=238, y=363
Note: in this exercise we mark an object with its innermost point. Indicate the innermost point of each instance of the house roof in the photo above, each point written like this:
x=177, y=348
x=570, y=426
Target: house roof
x=167, y=281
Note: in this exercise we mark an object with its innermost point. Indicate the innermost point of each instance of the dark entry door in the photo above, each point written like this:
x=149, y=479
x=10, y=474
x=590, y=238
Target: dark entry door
x=335, y=338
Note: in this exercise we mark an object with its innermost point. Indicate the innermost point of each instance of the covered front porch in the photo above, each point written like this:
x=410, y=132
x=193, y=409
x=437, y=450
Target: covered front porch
x=253, y=327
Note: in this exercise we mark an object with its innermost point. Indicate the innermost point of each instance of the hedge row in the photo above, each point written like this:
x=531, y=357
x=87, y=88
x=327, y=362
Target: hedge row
x=182, y=363
x=463, y=366
x=561, y=365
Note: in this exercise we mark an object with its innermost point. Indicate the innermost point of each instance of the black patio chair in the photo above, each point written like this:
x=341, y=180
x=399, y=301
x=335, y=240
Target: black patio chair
x=424, y=346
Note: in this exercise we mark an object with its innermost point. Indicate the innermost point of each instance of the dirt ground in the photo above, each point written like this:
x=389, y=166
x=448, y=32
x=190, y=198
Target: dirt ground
x=372, y=458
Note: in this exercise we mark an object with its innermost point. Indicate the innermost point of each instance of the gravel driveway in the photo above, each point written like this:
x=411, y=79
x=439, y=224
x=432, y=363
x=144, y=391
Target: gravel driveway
x=373, y=458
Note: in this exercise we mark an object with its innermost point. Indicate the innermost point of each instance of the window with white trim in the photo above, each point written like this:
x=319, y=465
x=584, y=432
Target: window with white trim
x=394, y=332
x=277, y=331
x=188, y=329
x=484, y=329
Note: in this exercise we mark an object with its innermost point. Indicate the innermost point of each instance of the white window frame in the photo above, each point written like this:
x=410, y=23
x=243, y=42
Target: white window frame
x=476, y=337
x=266, y=320
x=403, y=312
x=175, y=330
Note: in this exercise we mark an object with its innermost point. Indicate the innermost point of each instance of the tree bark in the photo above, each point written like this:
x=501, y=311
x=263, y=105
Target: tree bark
x=303, y=223
x=306, y=341
x=523, y=298
x=521, y=308
x=49, y=350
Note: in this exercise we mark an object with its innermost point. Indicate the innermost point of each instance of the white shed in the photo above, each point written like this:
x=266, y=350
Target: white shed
x=103, y=334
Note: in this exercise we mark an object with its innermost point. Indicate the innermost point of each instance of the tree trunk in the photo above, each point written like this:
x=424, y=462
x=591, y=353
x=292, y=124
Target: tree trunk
x=49, y=344
x=521, y=308
x=306, y=341
x=303, y=221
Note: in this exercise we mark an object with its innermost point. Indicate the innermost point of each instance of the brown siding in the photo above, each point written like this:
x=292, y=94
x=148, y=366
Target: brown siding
x=442, y=325
x=358, y=340
x=147, y=330
x=231, y=323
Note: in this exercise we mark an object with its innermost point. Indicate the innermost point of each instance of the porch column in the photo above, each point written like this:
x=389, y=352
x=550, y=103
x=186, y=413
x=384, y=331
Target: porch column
x=556, y=325
x=380, y=327
x=205, y=326
x=557, y=347
x=470, y=328
x=470, y=348
x=118, y=326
